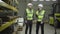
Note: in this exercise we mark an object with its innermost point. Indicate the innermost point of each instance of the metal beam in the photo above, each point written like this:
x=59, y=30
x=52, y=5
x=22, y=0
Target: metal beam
x=3, y=4
x=7, y=24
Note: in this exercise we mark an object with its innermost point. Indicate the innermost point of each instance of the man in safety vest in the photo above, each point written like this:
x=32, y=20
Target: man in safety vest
x=29, y=18
x=40, y=14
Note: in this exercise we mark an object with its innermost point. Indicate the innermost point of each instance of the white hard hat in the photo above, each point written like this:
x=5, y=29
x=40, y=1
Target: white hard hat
x=40, y=5
x=1, y=1
x=30, y=4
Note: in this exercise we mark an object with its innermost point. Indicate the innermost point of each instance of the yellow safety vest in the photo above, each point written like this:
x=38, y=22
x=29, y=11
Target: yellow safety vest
x=29, y=14
x=40, y=15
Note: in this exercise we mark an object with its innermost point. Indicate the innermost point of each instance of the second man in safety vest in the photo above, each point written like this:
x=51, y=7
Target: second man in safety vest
x=40, y=14
x=29, y=17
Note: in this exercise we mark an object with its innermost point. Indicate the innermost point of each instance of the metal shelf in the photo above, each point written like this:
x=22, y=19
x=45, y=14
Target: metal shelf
x=3, y=4
x=7, y=24
x=57, y=14
x=9, y=6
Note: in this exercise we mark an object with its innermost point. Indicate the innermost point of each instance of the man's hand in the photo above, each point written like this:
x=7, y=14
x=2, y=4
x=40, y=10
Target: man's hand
x=25, y=21
x=34, y=21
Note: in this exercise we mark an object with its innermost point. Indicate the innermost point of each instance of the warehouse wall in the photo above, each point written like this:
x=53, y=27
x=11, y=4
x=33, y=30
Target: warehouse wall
x=22, y=6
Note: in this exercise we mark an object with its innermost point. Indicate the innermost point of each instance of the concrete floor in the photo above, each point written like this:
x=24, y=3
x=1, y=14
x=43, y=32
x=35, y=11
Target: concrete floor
x=47, y=30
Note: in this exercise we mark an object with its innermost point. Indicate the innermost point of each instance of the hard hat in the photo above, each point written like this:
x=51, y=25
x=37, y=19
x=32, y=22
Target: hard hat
x=30, y=4
x=1, y=1
x=40, y=5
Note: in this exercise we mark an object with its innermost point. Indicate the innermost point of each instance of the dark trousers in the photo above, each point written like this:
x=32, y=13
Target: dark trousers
x=28, y=25
x=37, y=27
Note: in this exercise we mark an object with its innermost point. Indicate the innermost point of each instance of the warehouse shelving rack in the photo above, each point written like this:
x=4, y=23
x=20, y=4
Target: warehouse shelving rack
x=8, y=7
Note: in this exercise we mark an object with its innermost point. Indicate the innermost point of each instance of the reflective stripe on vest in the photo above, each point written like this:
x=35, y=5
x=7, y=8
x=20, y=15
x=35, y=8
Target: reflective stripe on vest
x=29, y=14
x=40, y=15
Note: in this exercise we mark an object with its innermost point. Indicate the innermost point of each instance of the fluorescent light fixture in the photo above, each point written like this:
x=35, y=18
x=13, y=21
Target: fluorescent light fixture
x=41, y=0
x=53, y=0
x=35, y=0
x=47, y=0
